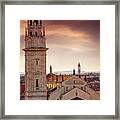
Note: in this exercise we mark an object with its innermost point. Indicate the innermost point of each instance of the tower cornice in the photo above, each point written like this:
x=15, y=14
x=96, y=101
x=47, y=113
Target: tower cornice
x=36, y=49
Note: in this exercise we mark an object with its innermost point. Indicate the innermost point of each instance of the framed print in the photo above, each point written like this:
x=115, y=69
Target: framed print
x=59, y=59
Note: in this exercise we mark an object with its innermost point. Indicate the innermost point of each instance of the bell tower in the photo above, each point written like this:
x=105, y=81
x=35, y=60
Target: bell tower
x=35, y=61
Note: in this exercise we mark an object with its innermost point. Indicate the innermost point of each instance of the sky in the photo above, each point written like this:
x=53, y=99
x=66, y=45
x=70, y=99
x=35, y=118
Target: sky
x=69, y=42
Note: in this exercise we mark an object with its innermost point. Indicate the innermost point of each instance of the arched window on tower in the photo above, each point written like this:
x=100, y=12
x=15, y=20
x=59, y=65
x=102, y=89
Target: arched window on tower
x=31, y=33
x=37, y=83
x=39, y=33
x=37, y=61
x=36, y=22
x=35, y=34
x=30, y=22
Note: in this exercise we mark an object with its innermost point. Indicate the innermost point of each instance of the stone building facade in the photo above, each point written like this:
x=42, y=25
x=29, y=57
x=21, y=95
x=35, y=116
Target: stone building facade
x=35, y=60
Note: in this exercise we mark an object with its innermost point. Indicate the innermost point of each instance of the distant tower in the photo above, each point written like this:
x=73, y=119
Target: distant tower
x=73, y=71
x=50, y=69
x=35, y=61
x=79, y=70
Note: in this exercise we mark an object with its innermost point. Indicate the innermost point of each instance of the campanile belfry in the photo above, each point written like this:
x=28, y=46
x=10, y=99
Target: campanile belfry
x=35, y=61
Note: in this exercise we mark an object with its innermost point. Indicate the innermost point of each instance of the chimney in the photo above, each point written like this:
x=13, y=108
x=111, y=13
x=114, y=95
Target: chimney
x=62, y=78
x=85, y=77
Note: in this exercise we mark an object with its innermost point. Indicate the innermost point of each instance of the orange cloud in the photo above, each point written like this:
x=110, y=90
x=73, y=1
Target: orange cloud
x=69, y=43
x=22, y=27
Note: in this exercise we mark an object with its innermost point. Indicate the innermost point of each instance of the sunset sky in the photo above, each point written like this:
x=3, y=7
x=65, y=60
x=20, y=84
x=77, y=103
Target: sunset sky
x=69, y=42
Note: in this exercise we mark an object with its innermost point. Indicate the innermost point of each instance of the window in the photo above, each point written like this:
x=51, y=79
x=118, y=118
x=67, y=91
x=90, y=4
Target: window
x=36, y=62
x=35, y=34
x=36, y=82
x=36, y=22
x=66, y=88
x=30, y=22
x=31, y=34
x=81, y=88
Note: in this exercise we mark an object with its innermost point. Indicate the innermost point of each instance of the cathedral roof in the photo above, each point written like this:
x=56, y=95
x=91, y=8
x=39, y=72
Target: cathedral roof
x=74, y=80
x=76, y=92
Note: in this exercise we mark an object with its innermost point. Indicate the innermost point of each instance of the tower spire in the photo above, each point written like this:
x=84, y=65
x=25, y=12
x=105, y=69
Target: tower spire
x=73, y=71
x=79, y=69
x=50, y=69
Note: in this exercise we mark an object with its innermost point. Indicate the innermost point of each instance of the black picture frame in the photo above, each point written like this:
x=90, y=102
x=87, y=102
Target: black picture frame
x=55, y=2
